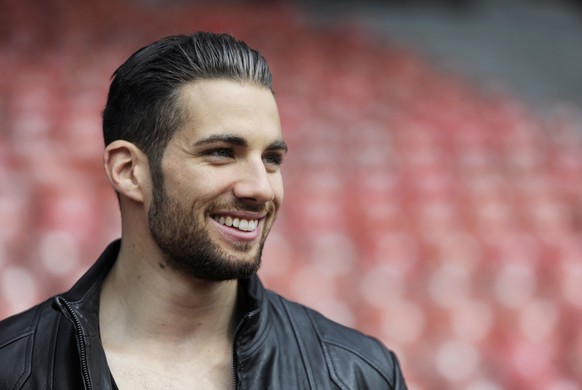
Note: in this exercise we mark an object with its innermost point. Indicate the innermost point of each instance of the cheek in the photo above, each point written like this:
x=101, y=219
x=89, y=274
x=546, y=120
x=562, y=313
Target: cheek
x=196, y=188
x=277, y=185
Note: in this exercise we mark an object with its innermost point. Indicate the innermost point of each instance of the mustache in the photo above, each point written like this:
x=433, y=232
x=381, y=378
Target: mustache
x=242, y=205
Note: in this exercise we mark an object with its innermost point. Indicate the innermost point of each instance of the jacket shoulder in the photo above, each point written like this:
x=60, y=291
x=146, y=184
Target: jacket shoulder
x=17, y=334
x=354, y=359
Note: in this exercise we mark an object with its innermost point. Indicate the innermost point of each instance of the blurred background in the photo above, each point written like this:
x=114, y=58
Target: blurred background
x=433, y=185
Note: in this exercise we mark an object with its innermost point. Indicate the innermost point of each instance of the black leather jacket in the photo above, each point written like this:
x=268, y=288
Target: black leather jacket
x=278, y=345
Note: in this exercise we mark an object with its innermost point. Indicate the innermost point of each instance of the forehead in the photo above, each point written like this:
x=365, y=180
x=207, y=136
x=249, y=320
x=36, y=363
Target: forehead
x=218, y=106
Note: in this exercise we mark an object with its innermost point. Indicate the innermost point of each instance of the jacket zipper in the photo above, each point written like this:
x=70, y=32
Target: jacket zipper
x=234, y=358
x=81, y=341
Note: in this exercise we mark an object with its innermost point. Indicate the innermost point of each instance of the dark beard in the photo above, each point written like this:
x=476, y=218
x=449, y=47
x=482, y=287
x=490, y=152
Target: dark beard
x=188, y=247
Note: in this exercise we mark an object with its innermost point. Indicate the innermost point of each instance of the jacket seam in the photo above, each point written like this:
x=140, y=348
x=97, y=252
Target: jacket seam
x=55, y=339
x=363, y=358
x=330, y=362
x=16, y=338
x=303, y=353
x=23, y=373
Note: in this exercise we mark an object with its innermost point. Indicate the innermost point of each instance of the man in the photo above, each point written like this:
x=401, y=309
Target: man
x=193, y=150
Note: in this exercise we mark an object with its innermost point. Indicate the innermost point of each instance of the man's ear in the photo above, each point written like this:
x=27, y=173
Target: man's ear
x=127, y=169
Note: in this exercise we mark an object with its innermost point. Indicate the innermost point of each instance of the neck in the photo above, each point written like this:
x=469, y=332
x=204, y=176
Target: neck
x=149, y=304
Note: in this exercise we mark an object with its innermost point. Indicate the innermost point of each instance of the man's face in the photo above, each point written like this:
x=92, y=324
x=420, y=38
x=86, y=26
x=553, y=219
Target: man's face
x=222, y=184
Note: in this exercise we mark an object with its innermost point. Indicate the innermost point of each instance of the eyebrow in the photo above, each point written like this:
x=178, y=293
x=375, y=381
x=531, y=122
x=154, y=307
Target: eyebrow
x=239, y=141
x=279, y=145
x=225, y=138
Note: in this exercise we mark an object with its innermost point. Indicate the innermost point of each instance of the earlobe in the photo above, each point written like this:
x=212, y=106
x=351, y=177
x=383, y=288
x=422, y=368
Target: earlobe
x=125, y=165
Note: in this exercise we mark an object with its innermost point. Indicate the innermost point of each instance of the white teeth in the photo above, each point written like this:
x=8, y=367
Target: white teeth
x=242, y=224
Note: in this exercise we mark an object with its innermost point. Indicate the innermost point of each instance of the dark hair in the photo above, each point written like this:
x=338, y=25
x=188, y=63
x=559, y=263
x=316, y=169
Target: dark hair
x=143, y=102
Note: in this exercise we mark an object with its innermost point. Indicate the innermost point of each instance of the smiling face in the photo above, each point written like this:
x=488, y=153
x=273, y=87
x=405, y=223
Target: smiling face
x=222, y=184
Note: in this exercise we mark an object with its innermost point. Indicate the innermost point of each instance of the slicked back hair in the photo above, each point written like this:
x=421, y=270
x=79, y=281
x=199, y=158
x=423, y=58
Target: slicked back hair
x=143, y=103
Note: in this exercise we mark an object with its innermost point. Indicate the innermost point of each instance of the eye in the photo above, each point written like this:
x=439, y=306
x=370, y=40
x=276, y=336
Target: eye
x=273, y=158
x=220, y=153
x=218, y=156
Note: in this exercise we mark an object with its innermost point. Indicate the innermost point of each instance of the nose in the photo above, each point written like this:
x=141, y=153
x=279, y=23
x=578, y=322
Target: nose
x=254, y=182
